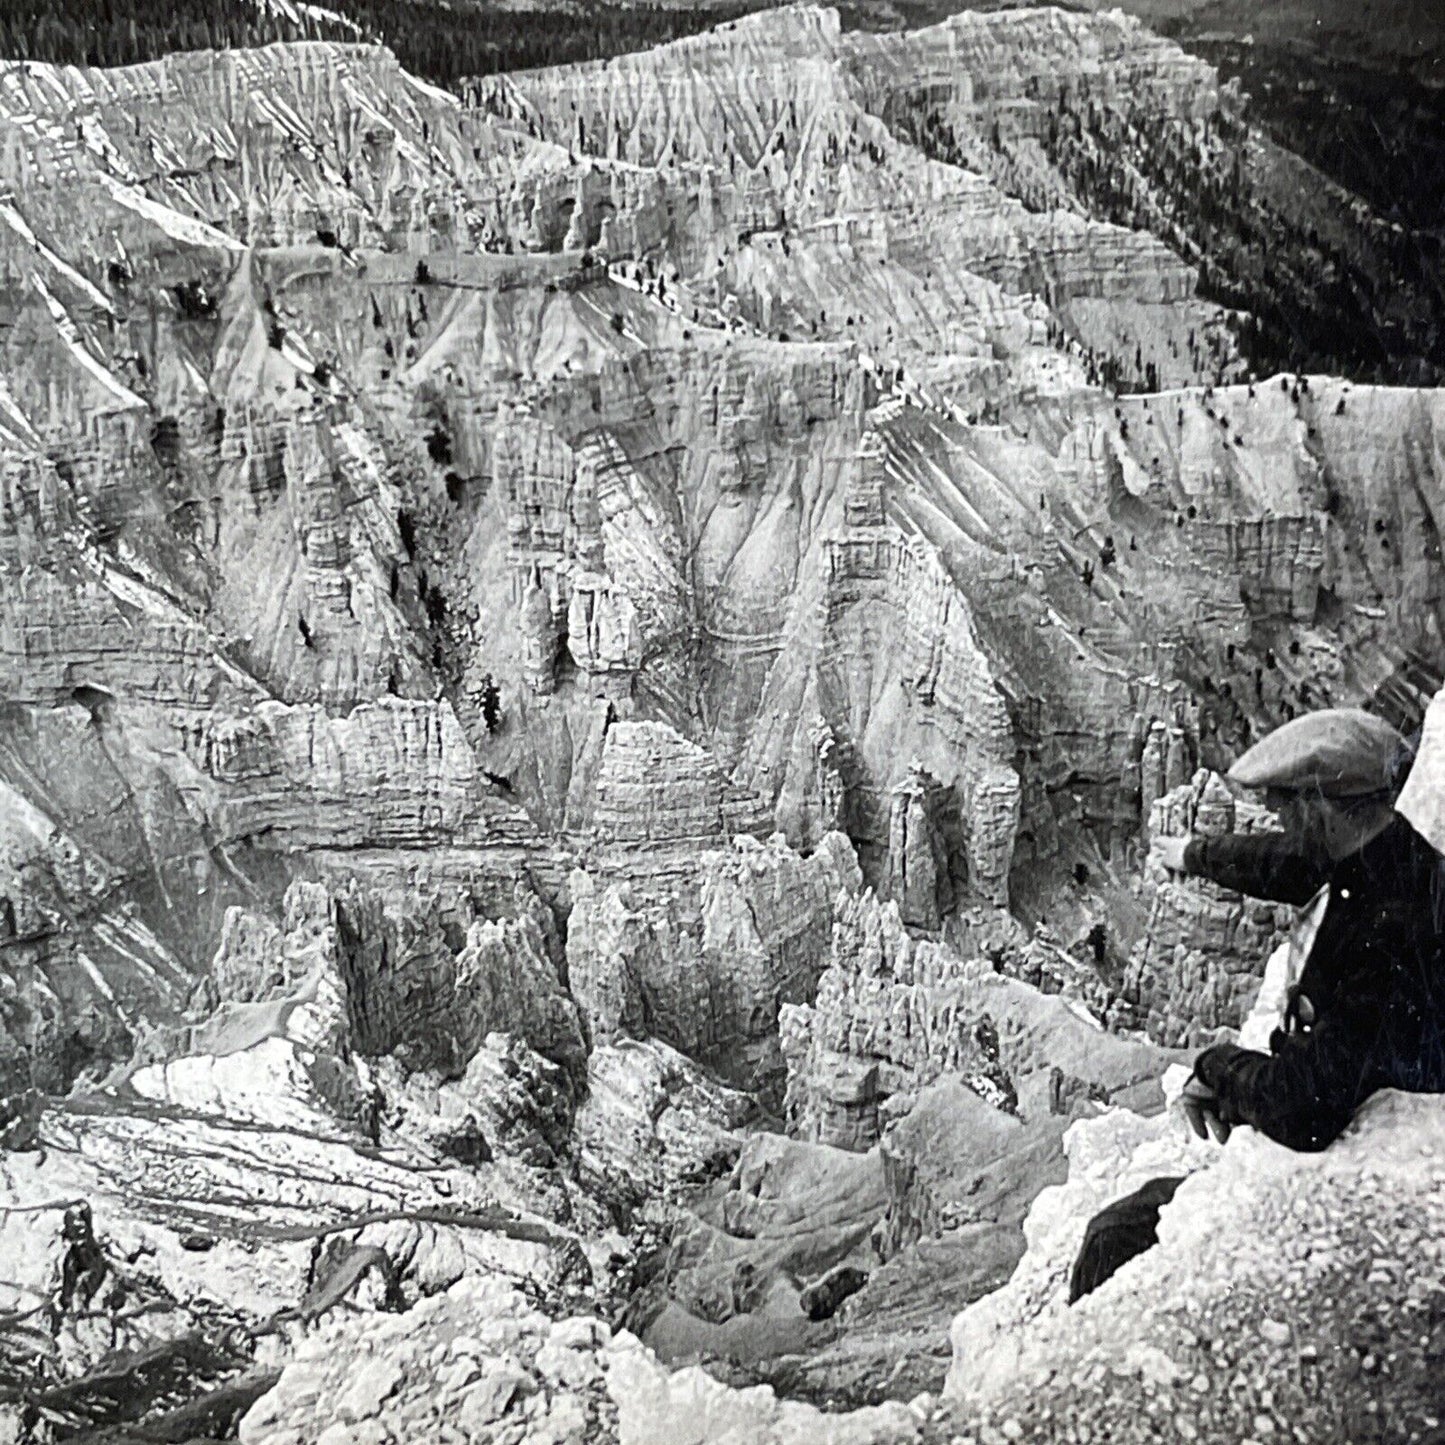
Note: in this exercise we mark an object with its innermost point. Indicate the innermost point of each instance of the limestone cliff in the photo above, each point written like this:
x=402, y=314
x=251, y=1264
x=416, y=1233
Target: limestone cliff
x=894, y=1013
x=707, y=967
x=386, y=472
x=1197, y=968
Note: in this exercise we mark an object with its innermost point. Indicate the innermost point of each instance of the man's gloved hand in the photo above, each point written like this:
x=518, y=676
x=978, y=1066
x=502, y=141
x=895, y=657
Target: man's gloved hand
x=1170, y=852
x=1201, y=1108
x=1208, y=1096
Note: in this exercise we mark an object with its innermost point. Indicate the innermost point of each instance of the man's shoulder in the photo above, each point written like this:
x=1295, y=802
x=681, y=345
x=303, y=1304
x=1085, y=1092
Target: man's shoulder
x=1396, y=857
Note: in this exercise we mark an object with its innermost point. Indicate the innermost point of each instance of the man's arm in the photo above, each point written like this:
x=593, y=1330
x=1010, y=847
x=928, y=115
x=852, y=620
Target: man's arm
x=1263, y=865
x=1303, y=1093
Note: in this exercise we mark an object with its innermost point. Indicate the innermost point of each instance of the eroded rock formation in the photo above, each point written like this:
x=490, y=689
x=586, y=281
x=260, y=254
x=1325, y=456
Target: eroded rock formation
x=707, y=966
x=894, y=1013
x=1199, y=964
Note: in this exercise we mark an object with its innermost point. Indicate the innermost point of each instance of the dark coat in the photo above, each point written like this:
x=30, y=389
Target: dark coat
x=1375, y=979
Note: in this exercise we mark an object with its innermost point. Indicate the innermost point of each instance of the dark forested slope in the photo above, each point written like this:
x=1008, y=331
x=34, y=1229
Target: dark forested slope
x=441, y=42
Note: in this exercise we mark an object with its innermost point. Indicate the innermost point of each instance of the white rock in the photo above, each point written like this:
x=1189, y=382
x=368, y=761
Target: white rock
x=371, y=1387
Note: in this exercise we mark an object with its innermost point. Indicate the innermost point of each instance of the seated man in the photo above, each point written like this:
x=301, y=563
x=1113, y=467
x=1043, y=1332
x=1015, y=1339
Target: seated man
x=1367, y=1009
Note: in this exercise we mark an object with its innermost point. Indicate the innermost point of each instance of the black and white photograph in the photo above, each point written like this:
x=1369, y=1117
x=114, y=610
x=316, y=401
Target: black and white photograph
x=722, y=722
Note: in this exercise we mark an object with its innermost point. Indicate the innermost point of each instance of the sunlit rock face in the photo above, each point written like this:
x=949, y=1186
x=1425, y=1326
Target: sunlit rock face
x=1198, y=967
x=627, y=458
x=588, y=669
x=1276, y=1284
x=894, y=1013
x=707, y=968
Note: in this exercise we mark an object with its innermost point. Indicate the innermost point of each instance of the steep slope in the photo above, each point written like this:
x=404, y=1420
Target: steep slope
x=1279, y=1297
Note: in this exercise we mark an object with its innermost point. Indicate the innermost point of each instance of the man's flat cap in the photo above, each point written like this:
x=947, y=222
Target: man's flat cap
x=1340, y=752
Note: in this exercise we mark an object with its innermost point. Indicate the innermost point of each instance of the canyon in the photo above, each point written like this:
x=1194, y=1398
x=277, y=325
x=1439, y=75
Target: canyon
x=589, y=671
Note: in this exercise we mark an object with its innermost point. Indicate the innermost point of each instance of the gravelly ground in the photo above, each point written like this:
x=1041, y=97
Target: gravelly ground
x=1292, y=1297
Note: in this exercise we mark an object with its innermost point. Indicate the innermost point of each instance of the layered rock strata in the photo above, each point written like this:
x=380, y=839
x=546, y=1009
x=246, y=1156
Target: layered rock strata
x=1198, y=967
x=708, y=967
x=344, y=413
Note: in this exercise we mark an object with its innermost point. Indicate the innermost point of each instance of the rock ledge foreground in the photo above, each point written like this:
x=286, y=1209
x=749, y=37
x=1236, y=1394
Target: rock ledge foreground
x=1290, y=1297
